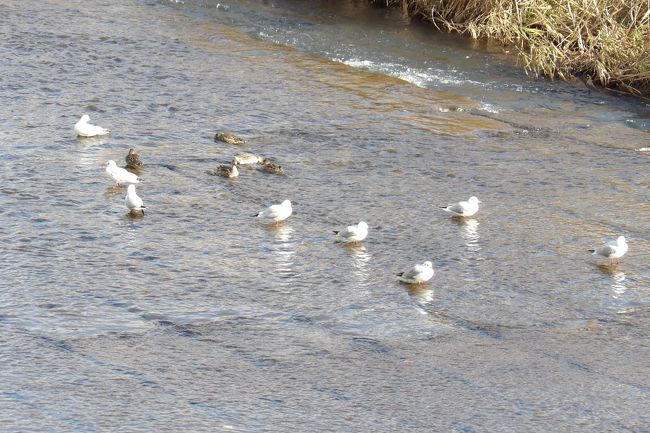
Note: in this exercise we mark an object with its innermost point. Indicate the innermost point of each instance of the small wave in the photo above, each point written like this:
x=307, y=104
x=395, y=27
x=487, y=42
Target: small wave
x=429, y=77
x=490, y=108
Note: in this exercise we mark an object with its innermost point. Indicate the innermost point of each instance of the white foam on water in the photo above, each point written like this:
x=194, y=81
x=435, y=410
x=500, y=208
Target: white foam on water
x=425, y=78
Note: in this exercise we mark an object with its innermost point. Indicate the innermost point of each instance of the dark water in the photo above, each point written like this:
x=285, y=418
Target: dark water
x=196, y=318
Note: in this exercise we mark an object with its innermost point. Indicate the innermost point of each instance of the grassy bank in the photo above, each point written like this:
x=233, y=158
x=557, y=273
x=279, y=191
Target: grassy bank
x=606, y=42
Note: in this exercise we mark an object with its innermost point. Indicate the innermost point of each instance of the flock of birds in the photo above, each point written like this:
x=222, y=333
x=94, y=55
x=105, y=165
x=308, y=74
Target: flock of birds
x=275, y=214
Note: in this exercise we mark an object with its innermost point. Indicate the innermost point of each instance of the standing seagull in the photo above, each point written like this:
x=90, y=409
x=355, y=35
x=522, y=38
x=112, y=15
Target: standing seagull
x=418, y=274
x=276, y=213
x=84, y=129
x=612, y=249
x=352, y=234
x=133, y=201
x=120, y=176
x=464, y=208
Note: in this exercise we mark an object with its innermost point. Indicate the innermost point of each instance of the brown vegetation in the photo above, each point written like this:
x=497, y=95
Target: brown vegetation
x=607, y=42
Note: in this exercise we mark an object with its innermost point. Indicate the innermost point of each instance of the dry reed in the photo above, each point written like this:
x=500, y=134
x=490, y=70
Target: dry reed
x=607, y=42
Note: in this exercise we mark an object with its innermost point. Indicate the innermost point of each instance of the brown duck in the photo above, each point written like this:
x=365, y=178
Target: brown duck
x=271, y=167
x=225, y=171
x=133, y=160
x=230, y=138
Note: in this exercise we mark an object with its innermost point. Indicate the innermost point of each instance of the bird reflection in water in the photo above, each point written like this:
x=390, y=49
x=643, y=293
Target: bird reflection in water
x=469, y=233
x=618, y=278
x=86, y=142
x=87, y=156
x=422, y=295
x=283, y=249
x=360, y=257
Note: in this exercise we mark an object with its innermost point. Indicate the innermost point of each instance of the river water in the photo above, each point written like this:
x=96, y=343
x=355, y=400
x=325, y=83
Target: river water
x=197, y=318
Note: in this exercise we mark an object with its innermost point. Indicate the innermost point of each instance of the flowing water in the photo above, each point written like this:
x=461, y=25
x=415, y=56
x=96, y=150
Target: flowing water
x=197, y=318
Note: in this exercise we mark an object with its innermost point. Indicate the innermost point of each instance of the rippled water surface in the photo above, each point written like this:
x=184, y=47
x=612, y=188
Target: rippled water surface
x=197, y=318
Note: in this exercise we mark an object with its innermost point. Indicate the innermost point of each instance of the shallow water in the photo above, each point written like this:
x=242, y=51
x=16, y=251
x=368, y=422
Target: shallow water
x=196, y=318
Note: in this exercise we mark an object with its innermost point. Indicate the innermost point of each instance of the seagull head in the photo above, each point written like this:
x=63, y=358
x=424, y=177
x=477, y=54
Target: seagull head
x=474, y=199
x=85, y=118
x=621, y=240
x=130, y=189
x=362, y=225
x=110, y=164
x=428, y=264
x=286, y=203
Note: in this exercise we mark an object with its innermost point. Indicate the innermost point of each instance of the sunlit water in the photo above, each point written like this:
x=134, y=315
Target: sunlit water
x=197, y=318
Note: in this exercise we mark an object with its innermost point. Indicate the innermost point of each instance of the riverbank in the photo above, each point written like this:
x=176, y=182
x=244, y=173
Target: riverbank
x=604, y=42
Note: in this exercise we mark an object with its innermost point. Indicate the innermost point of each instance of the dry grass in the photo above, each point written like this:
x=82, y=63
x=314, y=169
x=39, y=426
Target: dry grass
x=604, y=41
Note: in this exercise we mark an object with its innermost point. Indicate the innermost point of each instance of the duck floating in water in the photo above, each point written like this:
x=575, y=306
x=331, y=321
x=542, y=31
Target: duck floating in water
x=246, y=158
x=225, y=171
x=271, y=167
x=133, y=160
x=230, y=138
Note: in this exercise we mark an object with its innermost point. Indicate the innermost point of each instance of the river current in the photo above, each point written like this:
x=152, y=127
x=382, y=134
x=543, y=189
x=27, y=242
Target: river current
x=198, y=318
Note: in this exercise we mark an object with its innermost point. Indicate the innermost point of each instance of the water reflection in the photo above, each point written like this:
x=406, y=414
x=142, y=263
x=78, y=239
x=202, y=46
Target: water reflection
x=470, y=234
x=618, y=278
x=87, y=156
x=360, y=257
x=423, y=295
x=283, y=250
x=86, y=142
x=281, y=232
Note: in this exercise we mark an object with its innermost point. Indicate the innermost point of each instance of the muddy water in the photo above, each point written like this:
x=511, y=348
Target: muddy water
x=196, y=318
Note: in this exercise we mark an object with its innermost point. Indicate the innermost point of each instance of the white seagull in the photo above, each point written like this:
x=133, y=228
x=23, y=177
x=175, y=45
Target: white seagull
x=354, y=233
x=612, y=249
x=276, y=213
x=120, y=176
x=418, y=274
x=84, y=129
x=133, y=201
x=464, y=208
